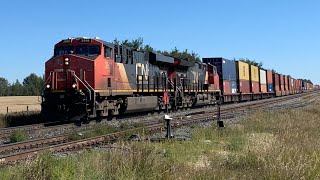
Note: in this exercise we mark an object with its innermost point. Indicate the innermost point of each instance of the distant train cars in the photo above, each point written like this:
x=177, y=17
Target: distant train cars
x=252, y=83
x=91, y=78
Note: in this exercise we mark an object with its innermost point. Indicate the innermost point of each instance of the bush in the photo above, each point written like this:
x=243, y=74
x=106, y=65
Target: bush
x=21, y=118
x=18, y=136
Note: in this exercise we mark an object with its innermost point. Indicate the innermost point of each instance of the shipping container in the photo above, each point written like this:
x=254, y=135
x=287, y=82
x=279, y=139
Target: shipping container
x=234, y=87
x=276, y=82
x=291, y=83
x=263, y=88
x=242, y=71
x=281, y=79
x=244, y=86
x=270, y=88
x=269, y=77
x=255, y=87
x=300, y=85
x=286, y=82
x=226, y=70
x=281, y=82
x=304, y=85
x=254, y=73
x=226, y=87
x=263, y=81
x=263, y=76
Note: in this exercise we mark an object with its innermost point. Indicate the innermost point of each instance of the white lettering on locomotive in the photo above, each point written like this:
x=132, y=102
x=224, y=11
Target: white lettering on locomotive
x=142, y=69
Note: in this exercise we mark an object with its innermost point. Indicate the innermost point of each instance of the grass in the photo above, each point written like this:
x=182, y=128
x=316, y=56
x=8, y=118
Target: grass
x=18, y=136
x=103, y=129
x=20, y=118
x=265, y=145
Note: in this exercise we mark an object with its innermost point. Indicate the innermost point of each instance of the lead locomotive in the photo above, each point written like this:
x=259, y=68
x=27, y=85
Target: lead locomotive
x=91, y=78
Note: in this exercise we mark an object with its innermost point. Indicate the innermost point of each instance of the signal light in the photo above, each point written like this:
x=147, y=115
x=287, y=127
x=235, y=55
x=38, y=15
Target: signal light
x=48, y=86
x=66, y=63
x=74, y=86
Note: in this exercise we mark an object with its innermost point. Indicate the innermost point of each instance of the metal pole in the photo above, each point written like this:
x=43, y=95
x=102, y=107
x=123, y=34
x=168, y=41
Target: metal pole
x=168, y=124
x=220, y=122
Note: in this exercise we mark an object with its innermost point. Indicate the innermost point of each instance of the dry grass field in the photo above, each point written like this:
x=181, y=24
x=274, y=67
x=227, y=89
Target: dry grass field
x=19, y=103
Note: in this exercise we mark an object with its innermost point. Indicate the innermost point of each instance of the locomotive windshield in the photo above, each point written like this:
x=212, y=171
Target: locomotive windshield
x=80, y=50
x=88, y=50
x=63, y=50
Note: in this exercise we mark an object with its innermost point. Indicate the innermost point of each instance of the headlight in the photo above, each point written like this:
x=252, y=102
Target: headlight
x=66, y=59
x=66, y=63
x=74, y=86
x=48, y=86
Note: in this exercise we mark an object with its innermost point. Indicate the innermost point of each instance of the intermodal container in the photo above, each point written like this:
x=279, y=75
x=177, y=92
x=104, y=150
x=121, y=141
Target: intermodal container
x=244, y=86
x=263, y=88
x=269, y=77
x=263, y=80
x=242, y=71
x=290, y=83
x=281, y=82
x=300, y=84
x=276, y=82
x=255, y=87
x=226, y=70
x=270, y=88
x=226, y=87
x=263, y=76
x=234, y=87
x=286, y=82
x=254, y=73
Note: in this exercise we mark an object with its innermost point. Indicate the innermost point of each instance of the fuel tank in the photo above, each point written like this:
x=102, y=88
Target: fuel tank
x=140, y=104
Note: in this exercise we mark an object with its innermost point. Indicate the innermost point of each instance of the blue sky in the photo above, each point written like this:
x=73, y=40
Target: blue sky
x=284, y=35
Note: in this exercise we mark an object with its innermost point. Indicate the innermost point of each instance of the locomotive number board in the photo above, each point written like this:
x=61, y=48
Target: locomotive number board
x=67, y=41
x=85, y=40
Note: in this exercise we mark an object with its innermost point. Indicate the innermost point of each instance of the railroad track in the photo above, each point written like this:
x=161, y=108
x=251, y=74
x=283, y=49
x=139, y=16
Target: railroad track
x=42, y=129
x=19, y=151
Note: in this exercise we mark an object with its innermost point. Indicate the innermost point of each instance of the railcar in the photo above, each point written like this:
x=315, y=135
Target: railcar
x=91, y=78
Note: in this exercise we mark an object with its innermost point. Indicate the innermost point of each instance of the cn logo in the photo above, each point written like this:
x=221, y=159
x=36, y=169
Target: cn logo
x=142, y=69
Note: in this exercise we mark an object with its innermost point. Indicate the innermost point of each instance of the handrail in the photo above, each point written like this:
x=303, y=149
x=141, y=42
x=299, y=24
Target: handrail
x=43, y=87
x=75, y=76
x=173, y=85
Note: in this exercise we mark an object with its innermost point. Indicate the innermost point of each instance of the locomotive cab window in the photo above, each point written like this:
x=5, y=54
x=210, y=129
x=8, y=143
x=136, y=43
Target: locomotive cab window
x=88, y=50
x=63, y=50
x=107, y=52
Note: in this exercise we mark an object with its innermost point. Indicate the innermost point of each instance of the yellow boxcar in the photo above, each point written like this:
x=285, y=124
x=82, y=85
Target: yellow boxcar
x=254, y=73
x=243, y=70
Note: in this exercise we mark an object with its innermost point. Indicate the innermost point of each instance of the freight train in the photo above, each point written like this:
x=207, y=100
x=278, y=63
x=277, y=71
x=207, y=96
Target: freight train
x=90, y=78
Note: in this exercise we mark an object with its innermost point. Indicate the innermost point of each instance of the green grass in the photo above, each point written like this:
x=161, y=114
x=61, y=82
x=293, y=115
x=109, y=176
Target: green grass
x=276, y=145
x=103, y=129
x=18, y=136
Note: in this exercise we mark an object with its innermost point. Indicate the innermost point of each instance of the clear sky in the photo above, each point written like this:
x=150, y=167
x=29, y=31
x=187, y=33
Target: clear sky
x=284, y=35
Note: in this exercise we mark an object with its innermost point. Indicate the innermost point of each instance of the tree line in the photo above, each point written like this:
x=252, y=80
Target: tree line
x=30, y=86
x=138, y=44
